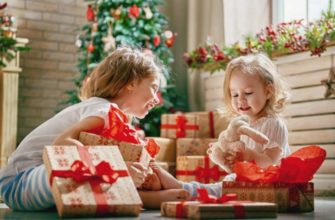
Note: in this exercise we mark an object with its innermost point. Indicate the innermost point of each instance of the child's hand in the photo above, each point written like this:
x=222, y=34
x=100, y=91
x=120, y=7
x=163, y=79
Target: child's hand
x=137, y=172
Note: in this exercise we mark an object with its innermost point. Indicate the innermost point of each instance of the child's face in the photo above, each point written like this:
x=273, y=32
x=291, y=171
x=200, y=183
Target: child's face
x=248, y=94
x=143, y=96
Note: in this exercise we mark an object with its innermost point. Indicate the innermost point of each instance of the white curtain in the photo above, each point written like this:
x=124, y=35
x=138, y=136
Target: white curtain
x=224, y=21
x=205, y=19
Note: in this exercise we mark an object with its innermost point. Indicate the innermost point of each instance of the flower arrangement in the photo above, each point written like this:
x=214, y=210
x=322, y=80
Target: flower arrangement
x=285, y=38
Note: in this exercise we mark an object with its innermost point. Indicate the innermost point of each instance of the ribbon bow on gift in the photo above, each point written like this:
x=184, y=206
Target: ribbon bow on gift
x=299, y=167
x=119, y=128
x=207, y=173
x=205, y=198
x=80, y=172
x=181, y=123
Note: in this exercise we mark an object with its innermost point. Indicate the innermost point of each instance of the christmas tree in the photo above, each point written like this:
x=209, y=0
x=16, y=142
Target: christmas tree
x=136, y=23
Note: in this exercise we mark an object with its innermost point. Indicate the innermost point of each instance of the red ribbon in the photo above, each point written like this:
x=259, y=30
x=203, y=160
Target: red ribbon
x=80, y=173
x=229, y=198
x=119, y=129
x=180, y=210
x=181, y=126
x=204, y=174
x=204, y=197
x=85, y=171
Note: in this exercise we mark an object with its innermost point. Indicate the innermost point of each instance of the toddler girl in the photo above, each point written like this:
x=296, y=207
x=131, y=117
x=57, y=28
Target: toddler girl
x=252, y=87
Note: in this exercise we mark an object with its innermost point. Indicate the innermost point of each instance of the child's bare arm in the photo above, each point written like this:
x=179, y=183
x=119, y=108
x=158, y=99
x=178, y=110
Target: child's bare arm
x=71, y=135
x=269, y=156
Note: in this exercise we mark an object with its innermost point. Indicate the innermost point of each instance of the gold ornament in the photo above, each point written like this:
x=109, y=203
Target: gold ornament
x=109, y=40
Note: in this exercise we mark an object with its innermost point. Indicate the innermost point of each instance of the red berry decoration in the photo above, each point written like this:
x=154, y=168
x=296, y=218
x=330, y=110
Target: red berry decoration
x=134, y=11
x=90, y=48
x=157, y=40
x=90, y=13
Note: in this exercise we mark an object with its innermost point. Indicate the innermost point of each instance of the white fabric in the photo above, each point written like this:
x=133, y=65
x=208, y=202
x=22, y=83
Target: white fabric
x=205, y=20
x=29, y=152
x=275, y=129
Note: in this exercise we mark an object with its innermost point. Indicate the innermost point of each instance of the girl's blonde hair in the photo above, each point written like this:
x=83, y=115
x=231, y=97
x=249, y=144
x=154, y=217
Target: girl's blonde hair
x=120, y=68
x=261, y=65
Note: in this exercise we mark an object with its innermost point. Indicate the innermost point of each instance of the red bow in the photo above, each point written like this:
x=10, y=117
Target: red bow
x=205, y=198
x=80, y=172
x=299, y=167
x=118, y=128
x=180, y=122
x=206, y=173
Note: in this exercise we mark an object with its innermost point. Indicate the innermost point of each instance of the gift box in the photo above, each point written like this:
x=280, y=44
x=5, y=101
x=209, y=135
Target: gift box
x=198, y=168
x=197, y=210
x=193, y=125
x=168, y=166
x=193, y=146
x=209, y=207
x=286, y=184
x=167, y=151
x=290, y=197
x=129, y=151
x=89, y=181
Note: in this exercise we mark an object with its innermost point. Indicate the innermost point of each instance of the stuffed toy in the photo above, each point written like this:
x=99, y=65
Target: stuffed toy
x=229, y=148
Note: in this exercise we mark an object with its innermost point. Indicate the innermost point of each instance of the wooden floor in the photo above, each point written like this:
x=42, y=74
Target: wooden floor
x=324, y=210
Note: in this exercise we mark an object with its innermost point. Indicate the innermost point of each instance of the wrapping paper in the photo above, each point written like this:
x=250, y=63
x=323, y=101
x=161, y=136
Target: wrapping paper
x=193, y=146
x=168, y=166
x=129, y=151
x=167, y=152
x=306, y=161
x=89, y=181
x=198, y=168
x=288, y=184
x=193, y=125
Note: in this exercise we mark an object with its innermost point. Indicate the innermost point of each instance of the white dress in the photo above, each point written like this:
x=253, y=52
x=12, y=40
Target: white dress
x=273, y=127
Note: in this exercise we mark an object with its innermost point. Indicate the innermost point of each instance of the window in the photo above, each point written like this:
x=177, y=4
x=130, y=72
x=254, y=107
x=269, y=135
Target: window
x=288, y=10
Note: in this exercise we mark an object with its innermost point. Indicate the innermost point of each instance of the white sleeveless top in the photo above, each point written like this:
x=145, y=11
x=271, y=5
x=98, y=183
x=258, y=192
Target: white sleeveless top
x=275, y=129
x=29, y=153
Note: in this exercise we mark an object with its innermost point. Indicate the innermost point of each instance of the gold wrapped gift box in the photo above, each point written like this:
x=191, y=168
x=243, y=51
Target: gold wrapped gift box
x=290, y=197
x=90, y=196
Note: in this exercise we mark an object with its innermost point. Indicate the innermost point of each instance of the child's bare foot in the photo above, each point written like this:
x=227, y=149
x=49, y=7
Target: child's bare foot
x=152, y=182
x=167, y=180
